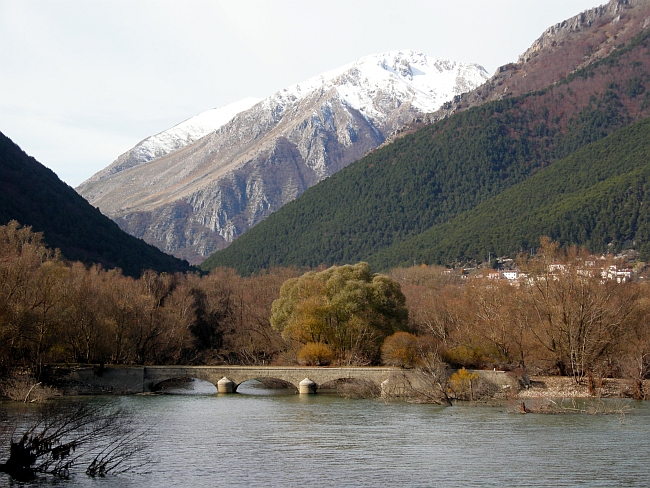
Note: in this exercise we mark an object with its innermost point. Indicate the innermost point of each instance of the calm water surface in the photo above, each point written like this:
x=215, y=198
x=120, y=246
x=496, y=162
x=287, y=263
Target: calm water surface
x=265, y=439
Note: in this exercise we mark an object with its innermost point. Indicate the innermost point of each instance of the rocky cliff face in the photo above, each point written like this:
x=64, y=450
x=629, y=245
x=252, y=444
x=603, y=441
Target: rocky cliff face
x=202, y=194
x=553, y=56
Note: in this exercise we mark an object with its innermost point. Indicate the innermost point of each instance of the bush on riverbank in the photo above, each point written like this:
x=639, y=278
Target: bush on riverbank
x=315, y=354
x=24, y=388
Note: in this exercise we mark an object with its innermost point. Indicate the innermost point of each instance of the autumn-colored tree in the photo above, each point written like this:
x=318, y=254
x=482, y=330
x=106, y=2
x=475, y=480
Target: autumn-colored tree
x=462, y=384
x=214, y=297
x=175, y=317
x=430, y=277
x=21, y=254
x=121, y=305
x=347, y=307
x=498, y=323
x=632, y=352
x=231, y=323
x=253, y=340
x=85, y=324
x=32, y=295
x=437, y=313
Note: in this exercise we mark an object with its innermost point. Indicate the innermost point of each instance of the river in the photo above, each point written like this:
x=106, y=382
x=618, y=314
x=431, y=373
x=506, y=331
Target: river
x=262, y=438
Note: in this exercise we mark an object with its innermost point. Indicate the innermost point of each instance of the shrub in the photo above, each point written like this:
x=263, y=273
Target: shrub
x=474, y=356
x=315, y=354
x=27, y=390
x=401, y=349
x=462, y=384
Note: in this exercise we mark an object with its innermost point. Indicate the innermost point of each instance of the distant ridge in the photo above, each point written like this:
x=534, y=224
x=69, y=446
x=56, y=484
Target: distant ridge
x=561, y=50
x=33, y=195
x=434, y=175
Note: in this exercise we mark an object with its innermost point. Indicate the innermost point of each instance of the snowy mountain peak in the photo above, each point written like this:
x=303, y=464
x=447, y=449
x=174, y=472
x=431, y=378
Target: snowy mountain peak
x=404, y=75
x=192, y=129
x=211, y=120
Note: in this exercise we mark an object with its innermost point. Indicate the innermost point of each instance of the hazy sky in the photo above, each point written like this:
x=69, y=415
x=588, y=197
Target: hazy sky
x=83, y=81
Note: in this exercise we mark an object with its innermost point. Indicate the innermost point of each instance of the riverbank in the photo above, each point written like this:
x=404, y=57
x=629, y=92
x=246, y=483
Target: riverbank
x=565, y=387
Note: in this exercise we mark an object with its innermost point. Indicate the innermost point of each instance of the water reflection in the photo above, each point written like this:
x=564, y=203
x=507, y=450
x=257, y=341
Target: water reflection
x=185, y=386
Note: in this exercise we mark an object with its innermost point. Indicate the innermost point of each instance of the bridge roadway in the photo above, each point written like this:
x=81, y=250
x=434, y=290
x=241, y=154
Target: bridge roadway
x=137, y=379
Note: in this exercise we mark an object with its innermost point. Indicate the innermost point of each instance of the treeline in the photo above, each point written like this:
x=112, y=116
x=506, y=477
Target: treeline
x=562, y=318
x=434, y=175
x=52, y=310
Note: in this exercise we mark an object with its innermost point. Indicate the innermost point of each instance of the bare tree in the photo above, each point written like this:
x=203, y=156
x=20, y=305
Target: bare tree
x=426, y=384
x=63, y=436
x=580, y=317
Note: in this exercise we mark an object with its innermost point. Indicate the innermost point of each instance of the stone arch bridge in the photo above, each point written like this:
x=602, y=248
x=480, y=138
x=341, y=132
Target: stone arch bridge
x=141, y=379
x=138, y=379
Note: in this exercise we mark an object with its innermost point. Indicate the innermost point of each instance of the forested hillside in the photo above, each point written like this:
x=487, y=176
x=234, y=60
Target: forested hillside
x=597, y=197
x=434, y=175
x=33, y=195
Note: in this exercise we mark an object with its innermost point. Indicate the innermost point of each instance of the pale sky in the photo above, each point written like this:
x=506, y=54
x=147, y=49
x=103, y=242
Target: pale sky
x=82, y=81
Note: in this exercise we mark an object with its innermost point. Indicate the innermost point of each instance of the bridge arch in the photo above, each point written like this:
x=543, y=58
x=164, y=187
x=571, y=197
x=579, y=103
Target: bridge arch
x=136, y=379
x=265, y=383
x=185, y=384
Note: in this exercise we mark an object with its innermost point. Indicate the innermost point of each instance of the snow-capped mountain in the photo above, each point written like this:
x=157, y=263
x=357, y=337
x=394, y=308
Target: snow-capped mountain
x=180, y=135
x=196, y=187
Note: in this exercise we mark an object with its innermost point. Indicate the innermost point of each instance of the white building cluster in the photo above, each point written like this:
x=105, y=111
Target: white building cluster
x=556, y=270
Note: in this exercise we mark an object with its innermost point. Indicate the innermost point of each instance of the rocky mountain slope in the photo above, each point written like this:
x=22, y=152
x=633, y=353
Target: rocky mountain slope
x=203, y=195
x=561, y=50
x=33, y=195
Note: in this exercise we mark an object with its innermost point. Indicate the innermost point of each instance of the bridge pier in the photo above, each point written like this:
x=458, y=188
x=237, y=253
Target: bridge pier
x=307, y=387
x=225, y=385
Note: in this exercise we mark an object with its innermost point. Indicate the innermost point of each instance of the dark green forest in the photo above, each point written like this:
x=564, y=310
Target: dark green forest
x=33, y=195
x=434, y=175
x=597, y=197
